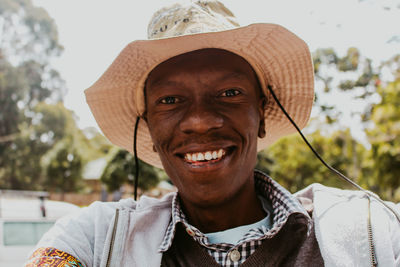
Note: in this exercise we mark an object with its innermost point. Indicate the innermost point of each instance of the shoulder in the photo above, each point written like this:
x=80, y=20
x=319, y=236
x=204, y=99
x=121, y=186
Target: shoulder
x=98, y=216
x=346, y=205
x=341, y=219
x=102, y=213
x=84, y=233
x=81, y=233
x=321, y=192
x=329, y=199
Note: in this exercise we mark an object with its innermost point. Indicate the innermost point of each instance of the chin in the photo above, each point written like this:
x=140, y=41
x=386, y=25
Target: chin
x=207, y=200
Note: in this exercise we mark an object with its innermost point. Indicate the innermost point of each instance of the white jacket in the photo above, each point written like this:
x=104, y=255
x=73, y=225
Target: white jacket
x=136, y=230
x=341, y=227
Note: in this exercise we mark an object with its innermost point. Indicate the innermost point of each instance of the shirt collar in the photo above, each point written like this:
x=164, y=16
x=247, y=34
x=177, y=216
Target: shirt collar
x=283, y=204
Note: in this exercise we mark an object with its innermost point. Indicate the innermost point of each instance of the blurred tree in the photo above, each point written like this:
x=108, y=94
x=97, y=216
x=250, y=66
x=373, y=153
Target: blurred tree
x=121, y=168
x=350, y=76
x=64, y=158
x=350, y=61
x=64, y=170
x=28, y=42
x=15, y=128
x=11, y=80
x=293, y=165
x=28, y=32
x=384, y=160
x=392, y=66
x=45, y=151
x=29, y=128
x=98, y=145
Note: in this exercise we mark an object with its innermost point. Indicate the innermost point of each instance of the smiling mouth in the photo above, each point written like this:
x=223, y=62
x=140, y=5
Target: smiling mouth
x=205, y=157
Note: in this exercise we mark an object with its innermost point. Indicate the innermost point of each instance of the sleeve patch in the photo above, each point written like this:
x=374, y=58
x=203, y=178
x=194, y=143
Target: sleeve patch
x=51, y=257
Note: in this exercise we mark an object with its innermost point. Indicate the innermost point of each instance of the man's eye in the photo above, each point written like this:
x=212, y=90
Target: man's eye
x=230, y=92
x=169, y=100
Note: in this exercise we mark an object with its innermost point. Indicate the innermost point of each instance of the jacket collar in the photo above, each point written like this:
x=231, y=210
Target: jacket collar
x=284, y=204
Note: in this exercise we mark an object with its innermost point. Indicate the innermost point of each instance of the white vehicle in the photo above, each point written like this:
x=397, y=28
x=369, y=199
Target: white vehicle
x=24, y=218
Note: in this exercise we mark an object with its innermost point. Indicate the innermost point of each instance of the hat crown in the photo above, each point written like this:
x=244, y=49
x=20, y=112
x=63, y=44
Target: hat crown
x=191, y=18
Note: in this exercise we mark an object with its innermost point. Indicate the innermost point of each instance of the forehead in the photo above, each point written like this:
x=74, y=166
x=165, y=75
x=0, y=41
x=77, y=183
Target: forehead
x=217, y=63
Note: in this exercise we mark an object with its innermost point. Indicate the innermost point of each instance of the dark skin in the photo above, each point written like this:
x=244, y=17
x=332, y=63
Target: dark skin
x=208, y=101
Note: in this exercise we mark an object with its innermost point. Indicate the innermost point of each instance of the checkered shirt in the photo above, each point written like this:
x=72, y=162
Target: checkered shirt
x=283, y=205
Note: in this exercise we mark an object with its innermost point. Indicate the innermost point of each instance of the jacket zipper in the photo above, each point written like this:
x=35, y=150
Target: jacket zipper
x=112, y=238
x=370, y=237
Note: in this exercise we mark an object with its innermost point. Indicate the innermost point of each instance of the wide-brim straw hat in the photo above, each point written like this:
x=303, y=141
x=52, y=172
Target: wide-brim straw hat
x=279, y=58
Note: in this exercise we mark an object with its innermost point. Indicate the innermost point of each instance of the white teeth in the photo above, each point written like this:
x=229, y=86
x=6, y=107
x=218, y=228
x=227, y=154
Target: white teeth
x=220, y=153
x=200, y=156
x=209, y=155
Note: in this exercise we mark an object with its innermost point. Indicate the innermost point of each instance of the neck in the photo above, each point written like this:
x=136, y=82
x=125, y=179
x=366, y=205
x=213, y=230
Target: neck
x=242, y=209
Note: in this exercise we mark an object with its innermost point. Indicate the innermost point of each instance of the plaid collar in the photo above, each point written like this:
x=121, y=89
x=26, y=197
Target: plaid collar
x=283, y=203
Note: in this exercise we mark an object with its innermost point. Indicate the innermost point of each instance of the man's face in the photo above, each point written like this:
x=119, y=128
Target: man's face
x=204, y=113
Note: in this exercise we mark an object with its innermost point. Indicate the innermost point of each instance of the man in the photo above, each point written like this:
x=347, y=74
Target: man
x=205, y=111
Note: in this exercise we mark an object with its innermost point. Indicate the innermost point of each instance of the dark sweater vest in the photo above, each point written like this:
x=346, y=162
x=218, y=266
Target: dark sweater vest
x=289, y=247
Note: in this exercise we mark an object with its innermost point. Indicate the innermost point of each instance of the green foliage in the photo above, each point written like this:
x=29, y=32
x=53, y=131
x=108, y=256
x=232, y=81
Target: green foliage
x=293, y=164
x=29, y=39
x=121, y=168
x=63, y=171
x=350, y=61
x=11, y=81
x=39, y=157
x=63, y=160
x=324, y=56
x=29, y=128
x=377, y=168
x=384, y=160
x=325, y=59
x=367, y=76
x=350, y=76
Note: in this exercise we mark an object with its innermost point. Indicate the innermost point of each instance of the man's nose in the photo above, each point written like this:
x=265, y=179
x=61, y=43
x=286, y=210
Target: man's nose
x=201, y=118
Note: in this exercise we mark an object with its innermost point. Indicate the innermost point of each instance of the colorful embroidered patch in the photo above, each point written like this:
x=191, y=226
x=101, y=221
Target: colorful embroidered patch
x=51, y=257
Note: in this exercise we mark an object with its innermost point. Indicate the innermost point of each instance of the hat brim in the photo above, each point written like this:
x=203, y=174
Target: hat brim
x=279, y=58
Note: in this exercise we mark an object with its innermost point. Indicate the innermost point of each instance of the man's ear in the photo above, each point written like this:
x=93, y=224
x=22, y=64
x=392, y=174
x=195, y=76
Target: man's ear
x=261, y=109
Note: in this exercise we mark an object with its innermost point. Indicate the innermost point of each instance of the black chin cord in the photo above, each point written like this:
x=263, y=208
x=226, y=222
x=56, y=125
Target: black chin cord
x=136, y=158
x=326, y=164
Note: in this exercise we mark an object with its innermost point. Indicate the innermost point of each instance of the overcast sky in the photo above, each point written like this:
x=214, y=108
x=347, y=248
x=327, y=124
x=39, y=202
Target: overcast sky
x=93, y=32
